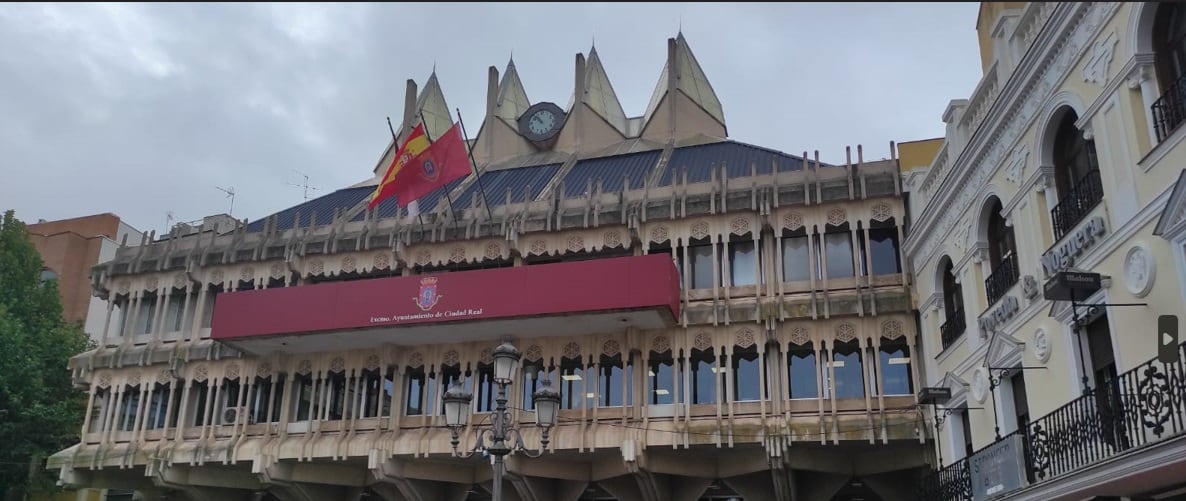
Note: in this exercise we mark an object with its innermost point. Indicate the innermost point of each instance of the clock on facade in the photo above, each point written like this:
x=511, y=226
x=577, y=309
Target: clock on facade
x=541, y=122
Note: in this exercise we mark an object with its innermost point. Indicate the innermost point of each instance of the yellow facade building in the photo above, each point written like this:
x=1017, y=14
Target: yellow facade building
x=1059, y=175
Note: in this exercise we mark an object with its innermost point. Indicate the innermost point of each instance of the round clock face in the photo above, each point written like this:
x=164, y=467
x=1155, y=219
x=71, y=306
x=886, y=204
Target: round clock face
x=542, y=122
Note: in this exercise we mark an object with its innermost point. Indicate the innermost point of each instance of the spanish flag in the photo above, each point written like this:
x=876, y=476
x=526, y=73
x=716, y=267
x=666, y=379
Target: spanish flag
x=442, y=162
x=416, y=143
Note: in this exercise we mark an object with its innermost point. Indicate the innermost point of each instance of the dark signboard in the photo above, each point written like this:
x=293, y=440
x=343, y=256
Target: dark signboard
x=934, y=395
x=997, y=469
x=1065, y=285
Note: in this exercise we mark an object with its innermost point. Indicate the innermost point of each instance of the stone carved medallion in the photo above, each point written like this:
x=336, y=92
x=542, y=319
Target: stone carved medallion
x=980, y=384
x=1042, y=348
x=792, y=221
x=1139, y=270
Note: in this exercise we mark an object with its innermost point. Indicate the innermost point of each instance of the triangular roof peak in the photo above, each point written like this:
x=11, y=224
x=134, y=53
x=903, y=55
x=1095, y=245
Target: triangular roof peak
x=512, y=97
x=600, y=95
x=432, y=107
x=689, y=79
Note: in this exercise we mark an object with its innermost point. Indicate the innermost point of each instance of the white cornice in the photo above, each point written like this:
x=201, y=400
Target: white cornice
x=1063, y=41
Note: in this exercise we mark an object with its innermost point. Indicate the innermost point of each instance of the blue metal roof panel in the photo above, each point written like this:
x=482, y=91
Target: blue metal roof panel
x=389, y=208
x=324, y=206
x=699, y=160
x=612, y=171
x=497, y=183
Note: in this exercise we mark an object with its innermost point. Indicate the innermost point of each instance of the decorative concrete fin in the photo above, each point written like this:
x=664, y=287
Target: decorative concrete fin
x=689, y=79
x=512, y=98
x=432, y=106
x=600, y=95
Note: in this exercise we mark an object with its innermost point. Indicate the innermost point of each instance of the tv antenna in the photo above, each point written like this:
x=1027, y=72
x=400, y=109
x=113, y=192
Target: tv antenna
x=168, y=220
x=304, y=185
x=230, y=193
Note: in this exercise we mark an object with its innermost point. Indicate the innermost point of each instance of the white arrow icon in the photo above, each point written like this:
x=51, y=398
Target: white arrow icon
x=1166, y=339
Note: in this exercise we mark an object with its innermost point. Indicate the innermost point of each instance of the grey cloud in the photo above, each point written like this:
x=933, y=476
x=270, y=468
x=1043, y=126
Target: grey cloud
x=140, y=109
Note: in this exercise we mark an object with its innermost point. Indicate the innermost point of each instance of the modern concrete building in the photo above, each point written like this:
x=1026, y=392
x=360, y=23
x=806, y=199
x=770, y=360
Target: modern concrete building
x=1047, y=245
x=722, y=320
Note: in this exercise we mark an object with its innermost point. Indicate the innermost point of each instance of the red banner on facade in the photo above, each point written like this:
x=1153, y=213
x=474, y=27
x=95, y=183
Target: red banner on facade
x=599, y=285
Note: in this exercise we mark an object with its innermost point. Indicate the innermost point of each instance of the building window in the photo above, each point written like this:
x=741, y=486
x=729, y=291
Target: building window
x=796, y=258
x=208, y=308
x=747, y=374
x=572, y=383
x=199, y=391
x=486, y=392
x=173, y=311
x=450, y=376
x=532, y=372
x=1002, y=255
x=1076, y=176
x=895, y=367
x=704, y=371
x=700, y=255
x=266, y=398
x=953, y=306
x=661, y=378
x=883, y=248
x=838, y=246
x=615, y=382
x=1104, y=380
x=802, y=371
x=848, y=371
x=966, y=425
x=1169, y=46
x=1021, y=406
x=304, y=408
x=743, y=260
x=131, y=403
x=158, y=407
x=102, y=398
x=146, y=314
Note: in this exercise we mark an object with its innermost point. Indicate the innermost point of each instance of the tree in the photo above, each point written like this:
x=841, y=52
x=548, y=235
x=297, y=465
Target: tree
x=40, y=411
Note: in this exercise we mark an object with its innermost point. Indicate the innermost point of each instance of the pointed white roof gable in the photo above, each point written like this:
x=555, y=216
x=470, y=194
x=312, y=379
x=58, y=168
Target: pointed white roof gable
x=512, y=98
x=600, y=95
x=690, y=79
x=432, y=106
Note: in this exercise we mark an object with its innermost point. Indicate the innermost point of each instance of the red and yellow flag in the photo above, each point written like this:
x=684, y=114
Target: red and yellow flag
x=445, y=160
x=416, y=143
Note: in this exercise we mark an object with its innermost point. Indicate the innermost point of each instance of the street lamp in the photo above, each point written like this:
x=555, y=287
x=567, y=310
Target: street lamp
x=457, y=407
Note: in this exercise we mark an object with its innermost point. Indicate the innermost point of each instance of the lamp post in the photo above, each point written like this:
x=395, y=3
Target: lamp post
x=501, y=439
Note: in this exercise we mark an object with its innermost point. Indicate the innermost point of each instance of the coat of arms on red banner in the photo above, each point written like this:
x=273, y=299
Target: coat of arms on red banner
x=428, y=297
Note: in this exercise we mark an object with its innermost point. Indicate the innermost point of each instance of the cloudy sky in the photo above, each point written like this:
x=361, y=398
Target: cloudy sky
x=144, y=109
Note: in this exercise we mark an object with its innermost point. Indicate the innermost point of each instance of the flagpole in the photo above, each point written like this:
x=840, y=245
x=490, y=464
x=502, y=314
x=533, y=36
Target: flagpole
x=485, y=201
x=446, y=186
x=395, y=143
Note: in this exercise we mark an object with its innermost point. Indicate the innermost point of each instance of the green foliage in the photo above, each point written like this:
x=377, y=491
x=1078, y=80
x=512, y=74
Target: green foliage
x=40, y=411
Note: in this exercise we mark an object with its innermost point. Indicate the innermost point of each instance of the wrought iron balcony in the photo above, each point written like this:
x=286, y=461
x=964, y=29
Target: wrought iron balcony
x=1075, y=205
x=1002, y=278
x=953, y=328
x=1143, y=406
x=1169, y=111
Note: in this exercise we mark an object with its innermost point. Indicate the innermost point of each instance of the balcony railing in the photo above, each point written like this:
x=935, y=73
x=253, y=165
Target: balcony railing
x=1003, y=277
x=1169, y=111
x=953, y=328
x=1075, y=205
x=1143, y=406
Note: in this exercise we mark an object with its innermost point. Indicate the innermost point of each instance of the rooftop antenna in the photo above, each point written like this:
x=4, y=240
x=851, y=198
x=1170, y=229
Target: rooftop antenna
x=230, y=193
x=168, y=220
x=304, y=185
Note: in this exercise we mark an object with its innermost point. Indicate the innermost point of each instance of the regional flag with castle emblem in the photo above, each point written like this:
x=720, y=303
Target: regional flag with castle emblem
x=415, y=144
x=445, y=160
